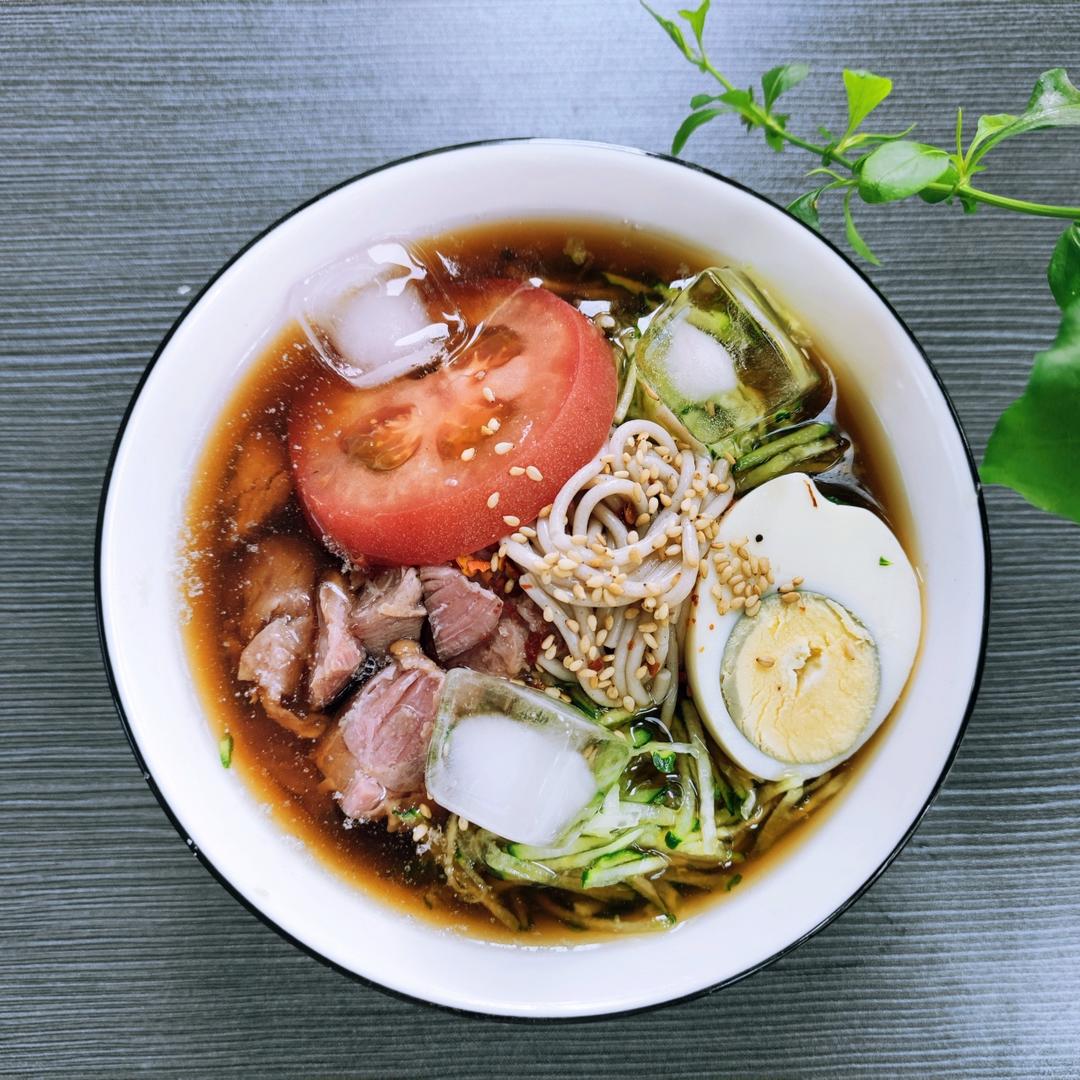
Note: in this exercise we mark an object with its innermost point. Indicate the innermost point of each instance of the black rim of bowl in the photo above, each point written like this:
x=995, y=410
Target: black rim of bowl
x=255, y=910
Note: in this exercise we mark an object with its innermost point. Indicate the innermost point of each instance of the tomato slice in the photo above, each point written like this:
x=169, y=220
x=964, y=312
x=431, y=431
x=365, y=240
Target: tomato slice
x=404, y=473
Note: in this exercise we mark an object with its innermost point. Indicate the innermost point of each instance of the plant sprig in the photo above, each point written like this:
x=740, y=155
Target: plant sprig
x=1035, y=445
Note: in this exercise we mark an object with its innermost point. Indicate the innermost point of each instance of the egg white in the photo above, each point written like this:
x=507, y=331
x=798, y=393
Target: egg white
x=843, y=552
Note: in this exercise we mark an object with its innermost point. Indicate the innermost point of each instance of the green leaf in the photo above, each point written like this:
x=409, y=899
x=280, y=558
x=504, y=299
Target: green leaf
x=1054, y=102
x=742, y=102
x=949, y=176
x=673, y=31
x=700, y=100
x=858, y=244
x=696, y=19
x=865, y=137
x=899, y=169
x=805, y=208
x=988, y=127
x=1036, y=442
x=690, y=125
x=1063, y=273
x=882, y=561
x=779, y=80
x=225, y=750
x=865, y=92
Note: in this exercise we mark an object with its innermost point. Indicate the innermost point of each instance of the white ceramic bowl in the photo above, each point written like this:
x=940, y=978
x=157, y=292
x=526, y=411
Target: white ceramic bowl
x=178, y=403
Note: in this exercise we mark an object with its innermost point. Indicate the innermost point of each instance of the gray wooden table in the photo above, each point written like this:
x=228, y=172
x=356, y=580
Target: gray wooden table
x=140, y=145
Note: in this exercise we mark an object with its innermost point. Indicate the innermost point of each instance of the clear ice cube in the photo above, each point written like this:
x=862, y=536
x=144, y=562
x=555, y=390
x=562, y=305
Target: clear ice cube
x=376, y=314
x=515, y=761
x=721, y=359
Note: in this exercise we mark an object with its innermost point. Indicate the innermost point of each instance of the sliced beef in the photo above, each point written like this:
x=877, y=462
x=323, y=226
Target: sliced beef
x=277, y=621
x=338, y=653
x=359, y=795
x=261, y=483
x=389, y=609
x=503, y=653
x=277, y=578
x=363, y=797
x=387, y=725
x=334, y=759
x=462, y=613
x=274, y=660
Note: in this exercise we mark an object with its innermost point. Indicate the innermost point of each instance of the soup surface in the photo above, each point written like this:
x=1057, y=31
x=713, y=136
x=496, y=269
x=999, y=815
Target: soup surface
x=294, y=511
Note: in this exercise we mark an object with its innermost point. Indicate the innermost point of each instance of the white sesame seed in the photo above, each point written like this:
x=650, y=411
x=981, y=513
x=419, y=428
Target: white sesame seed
x=503, y=447
x=511, y=520
x=489, y=394
x=533, y=473
x=468, y=453
x=493, y=500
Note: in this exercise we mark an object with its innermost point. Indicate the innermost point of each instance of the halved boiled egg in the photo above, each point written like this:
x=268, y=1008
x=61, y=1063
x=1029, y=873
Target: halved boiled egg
x=797, y=685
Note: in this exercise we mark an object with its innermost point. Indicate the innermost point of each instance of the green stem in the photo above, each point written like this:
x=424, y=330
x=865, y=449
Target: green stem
x=706, y=65
x=1002, y=202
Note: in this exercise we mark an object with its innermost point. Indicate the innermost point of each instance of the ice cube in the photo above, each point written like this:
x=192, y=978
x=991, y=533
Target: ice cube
x=375, y=315
x=515, y=761
x=721, y=359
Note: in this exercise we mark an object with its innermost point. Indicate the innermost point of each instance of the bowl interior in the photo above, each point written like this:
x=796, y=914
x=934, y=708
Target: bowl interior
x=226, y=329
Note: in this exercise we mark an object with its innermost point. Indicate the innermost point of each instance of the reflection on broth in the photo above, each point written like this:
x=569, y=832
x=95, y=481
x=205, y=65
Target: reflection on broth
x=483, y=484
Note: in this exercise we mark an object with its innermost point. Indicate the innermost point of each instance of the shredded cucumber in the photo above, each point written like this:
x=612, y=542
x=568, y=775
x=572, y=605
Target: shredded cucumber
x=516, y=869
x=530, y=852
x=602, y=873
x=627, y=815
x=572, y=862
x=684, y=819
x=771, y=447
x=645, y=794
x=626, y=395
x=816, y=456
x=664, y=748
x=704, y=778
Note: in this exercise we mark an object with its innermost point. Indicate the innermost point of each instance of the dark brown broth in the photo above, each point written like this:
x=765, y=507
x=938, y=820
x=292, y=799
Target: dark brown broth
x=275, y=763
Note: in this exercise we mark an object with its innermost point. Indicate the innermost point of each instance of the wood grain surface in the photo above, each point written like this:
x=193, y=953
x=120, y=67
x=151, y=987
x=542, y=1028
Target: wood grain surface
x=140, y=145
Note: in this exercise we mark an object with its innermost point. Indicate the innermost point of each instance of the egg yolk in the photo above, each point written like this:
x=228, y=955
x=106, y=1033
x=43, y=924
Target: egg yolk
x=801, y=678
